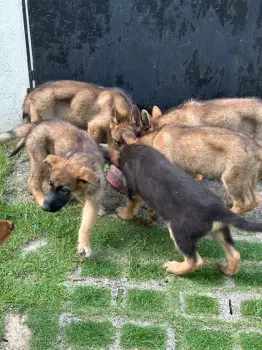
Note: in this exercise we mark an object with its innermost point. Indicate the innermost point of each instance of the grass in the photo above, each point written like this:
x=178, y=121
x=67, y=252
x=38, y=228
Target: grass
x=201, y=305
x=252, y=308
x=135, y=337
x=90, y=335
x=124, y=253
x=84, y=298
x=251, y=341
x=145, y=302
x=196, y=339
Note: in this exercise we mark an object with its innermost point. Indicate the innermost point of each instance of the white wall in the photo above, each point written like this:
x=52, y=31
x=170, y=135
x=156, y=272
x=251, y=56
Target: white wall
x=13, y=64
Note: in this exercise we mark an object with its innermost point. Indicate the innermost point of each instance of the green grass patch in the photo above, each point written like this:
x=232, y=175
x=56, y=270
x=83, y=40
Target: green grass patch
x=209, y=275
x=249, y=251
x=135, y=337
x=91, y=297
x=251, y=341
x=201, y=305
x=139, y=270
x=252, y=308
x=103, y=268
x=90, y=335
x=249, y=276
x=196, y=339
x=145, y=301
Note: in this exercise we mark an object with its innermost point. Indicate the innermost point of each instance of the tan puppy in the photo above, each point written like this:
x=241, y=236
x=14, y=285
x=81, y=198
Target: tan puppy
x=6, y=228
x=237, y=114
x=87, y=106
x=212, y=152
x=69, y=158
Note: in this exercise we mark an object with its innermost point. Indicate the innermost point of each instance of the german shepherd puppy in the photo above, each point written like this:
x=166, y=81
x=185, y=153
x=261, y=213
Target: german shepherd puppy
x=85, y=105
x=69, y=158
x=6, y=228
x=237, y=114
x=192, y=210
x=212, y=152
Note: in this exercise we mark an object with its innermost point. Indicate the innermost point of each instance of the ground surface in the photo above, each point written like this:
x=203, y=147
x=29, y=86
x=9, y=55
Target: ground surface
x=122, y=298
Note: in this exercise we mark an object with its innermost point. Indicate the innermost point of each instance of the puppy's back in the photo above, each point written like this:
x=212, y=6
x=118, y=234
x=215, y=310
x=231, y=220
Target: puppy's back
x=164, y=186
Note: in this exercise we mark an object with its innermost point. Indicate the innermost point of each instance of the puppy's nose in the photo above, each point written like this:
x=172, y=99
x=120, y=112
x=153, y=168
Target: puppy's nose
x=12, y=226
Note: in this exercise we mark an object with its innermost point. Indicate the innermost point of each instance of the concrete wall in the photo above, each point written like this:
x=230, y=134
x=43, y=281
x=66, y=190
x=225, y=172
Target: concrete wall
x=13, y=64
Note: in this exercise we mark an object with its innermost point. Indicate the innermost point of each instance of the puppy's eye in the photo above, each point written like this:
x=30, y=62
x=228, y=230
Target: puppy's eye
x=63, y=190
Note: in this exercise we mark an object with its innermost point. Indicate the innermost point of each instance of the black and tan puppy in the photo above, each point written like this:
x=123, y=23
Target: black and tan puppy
x=191, y=209
x=6, y=228
x=69, y=158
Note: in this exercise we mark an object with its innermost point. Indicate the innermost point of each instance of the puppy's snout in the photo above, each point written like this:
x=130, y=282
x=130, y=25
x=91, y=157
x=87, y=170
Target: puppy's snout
x=12, y=226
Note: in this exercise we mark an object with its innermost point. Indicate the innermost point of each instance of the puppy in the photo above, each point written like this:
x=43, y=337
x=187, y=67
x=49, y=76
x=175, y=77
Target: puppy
x=191, y=209
x=69, y=159
x=237, y=114
x=235, y=158
x=6, y=228
x=87, y=106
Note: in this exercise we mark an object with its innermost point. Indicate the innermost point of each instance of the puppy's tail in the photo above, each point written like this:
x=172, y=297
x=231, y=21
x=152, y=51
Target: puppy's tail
x=21, y=131
x=242, y=224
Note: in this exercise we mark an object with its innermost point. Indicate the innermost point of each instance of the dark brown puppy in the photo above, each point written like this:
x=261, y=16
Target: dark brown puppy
x=6, y=228
x=87, y=106
x=191, y=209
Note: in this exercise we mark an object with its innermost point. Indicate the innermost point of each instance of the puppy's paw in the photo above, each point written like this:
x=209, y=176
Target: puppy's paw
x=123, y=213
x=84, y=251
x=172, y=267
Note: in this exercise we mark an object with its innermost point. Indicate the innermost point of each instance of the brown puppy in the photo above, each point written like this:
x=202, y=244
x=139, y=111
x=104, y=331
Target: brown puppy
x=237, y=114
x=87, y=106
x=6, y=227
x=70, y=159
x=213, y=152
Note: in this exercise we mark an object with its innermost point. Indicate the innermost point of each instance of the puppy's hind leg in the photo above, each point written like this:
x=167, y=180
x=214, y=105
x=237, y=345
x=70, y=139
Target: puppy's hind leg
x=187, y=246
x=224, y=239
x=90, y=212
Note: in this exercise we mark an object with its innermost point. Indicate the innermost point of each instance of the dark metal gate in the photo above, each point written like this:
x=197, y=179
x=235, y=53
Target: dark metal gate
x=160, y=51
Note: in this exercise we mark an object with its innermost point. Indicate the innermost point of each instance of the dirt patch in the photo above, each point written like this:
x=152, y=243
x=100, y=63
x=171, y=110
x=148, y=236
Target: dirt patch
x=34, y=246
x=16, y=190
x=17, y=333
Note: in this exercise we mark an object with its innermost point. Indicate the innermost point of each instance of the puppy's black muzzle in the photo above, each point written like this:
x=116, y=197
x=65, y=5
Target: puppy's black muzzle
x=55, y=200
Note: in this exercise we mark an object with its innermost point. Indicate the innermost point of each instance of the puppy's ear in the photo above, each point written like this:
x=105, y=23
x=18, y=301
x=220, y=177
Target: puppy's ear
x=115, y=116
x=129, y=137
x=53, y=159
x=156, y=112
x=135, y=117
x=146, y=122
x=88, y=176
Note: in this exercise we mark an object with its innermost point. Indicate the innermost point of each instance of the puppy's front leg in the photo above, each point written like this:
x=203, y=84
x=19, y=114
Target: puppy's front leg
x=129, y=212
x=90, y=212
